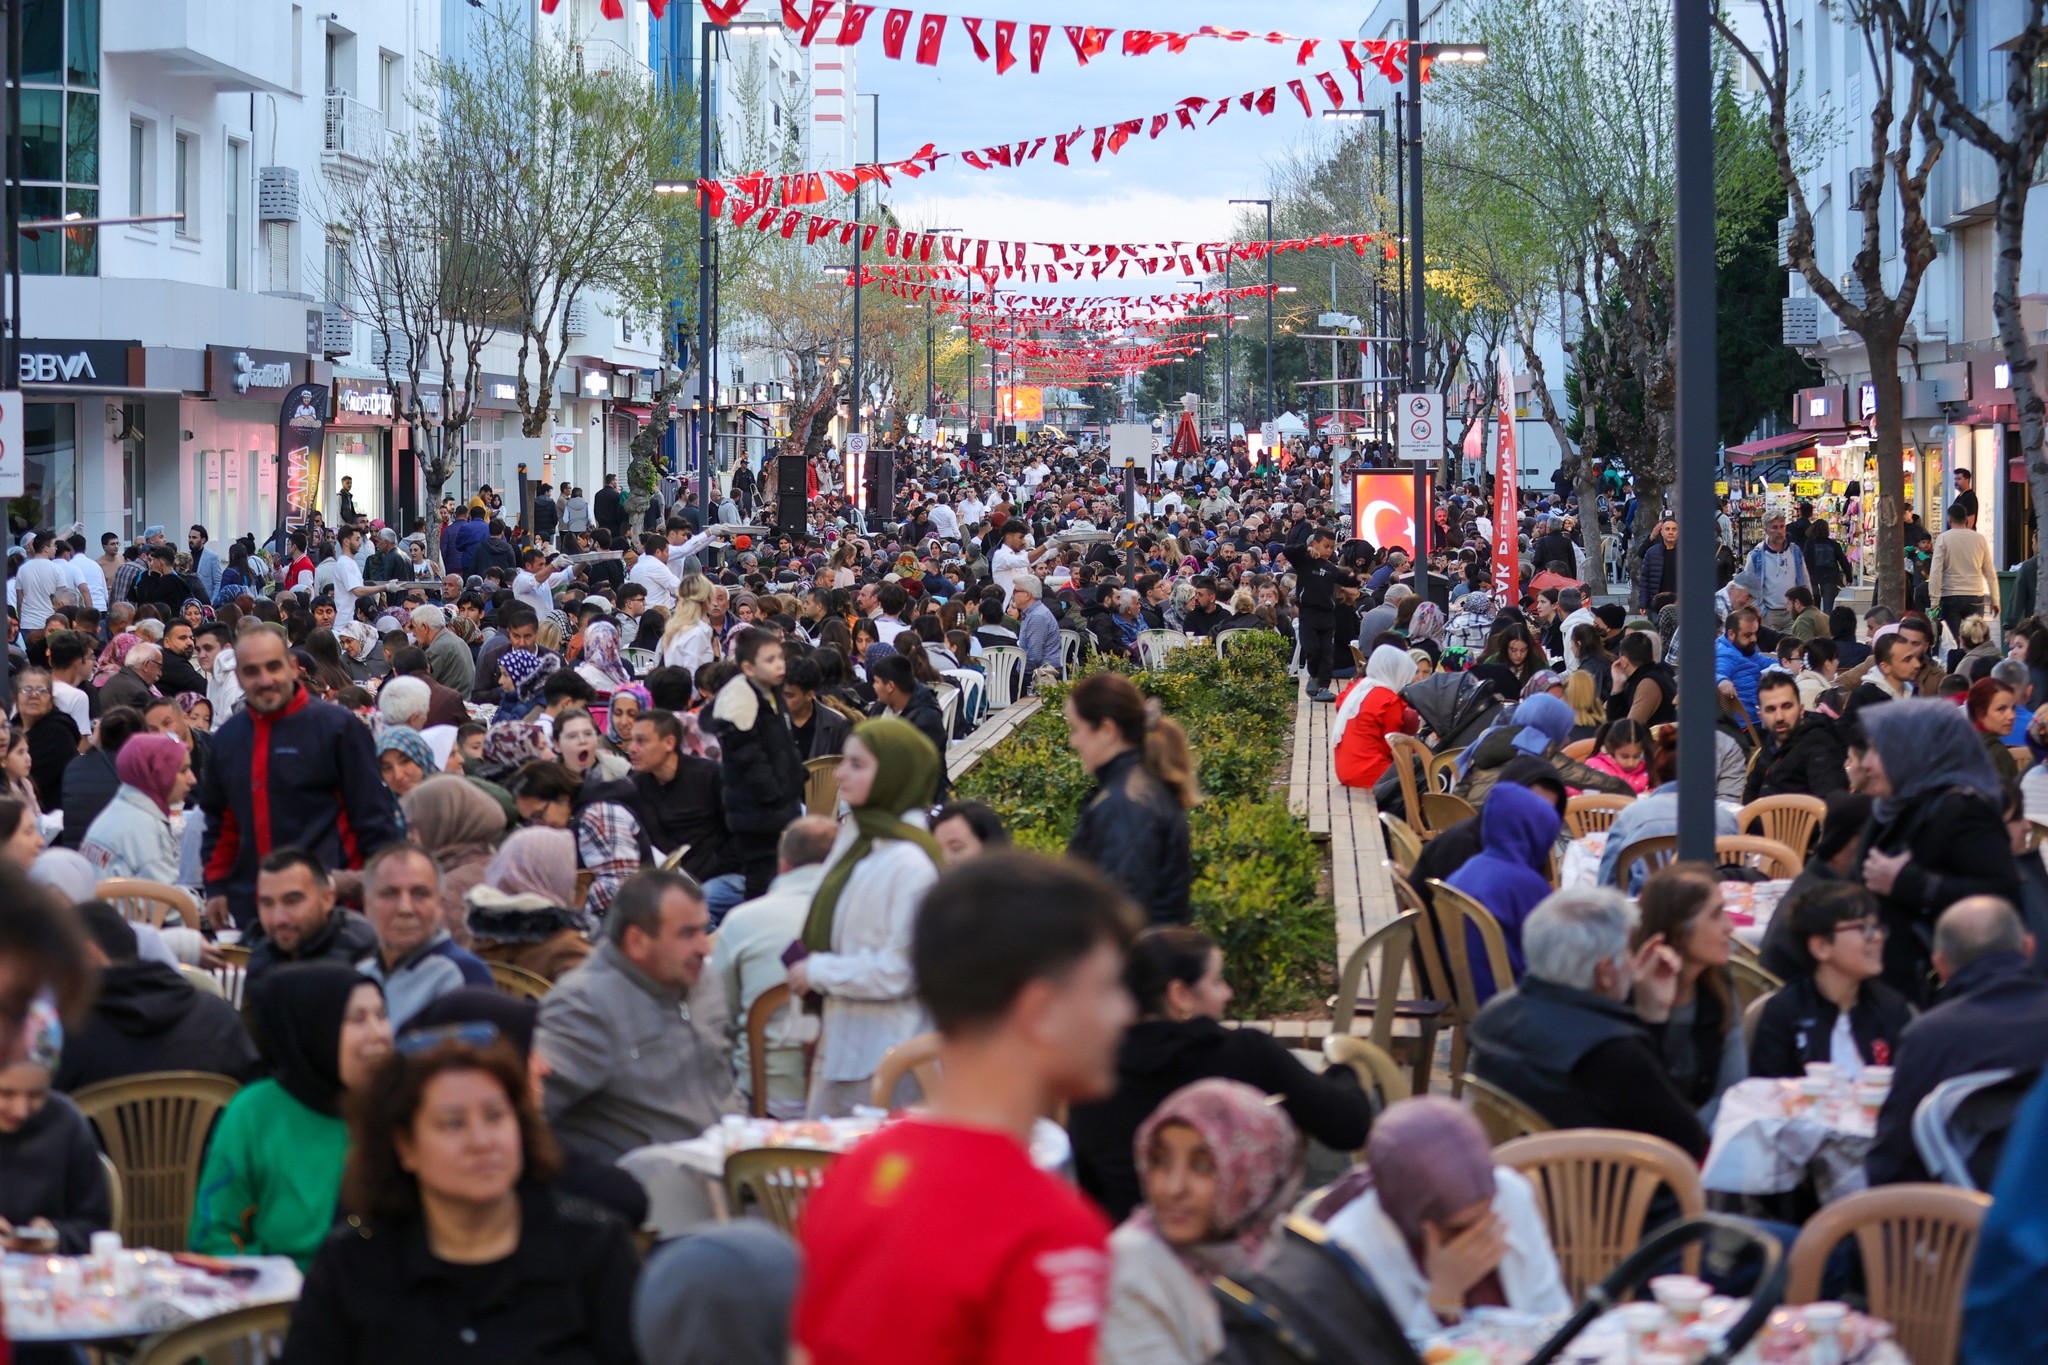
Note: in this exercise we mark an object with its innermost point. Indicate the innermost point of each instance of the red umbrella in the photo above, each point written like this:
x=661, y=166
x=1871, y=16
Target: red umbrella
x=1547, y=579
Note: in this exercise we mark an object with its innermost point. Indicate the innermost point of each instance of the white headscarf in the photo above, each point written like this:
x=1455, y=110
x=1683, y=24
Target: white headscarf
x=1390, y=667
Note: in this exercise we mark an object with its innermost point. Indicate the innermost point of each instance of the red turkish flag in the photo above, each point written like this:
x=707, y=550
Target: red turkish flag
x=1065, y=140
x=975, y=159
x=895, y=27
x=1308, y=50
x=973, y=27
x=1088, y=42
x=720, y=14
x=846, y=182
x=867, y=236
x=1301, y=93
x=1158, y=124
x=1039, y=34
x=1332, y=89
x=930, y=34
x=1006, y=34
x=792, y=17
x=819, y=9
x=852, y=24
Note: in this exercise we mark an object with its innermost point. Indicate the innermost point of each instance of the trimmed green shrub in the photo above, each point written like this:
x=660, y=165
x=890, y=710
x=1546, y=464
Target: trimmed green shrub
x=1255, y=867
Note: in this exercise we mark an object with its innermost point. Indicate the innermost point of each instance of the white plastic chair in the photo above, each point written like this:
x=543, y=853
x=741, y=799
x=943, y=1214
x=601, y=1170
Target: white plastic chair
x=1072, y=647
x=949, y=708
x=1224, y=637
x=641, y=661
x=1003, y=668
x=1155, y=645
x=971, y=689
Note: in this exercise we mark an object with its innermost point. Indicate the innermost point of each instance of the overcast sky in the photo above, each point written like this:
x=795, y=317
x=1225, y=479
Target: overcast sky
x=1176, y=187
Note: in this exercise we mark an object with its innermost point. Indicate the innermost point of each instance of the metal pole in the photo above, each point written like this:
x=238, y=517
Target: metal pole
x=706, y=416
x=930, y=404
x=1270, y=414
x=1229, y=326
x=1693, y=323
x=1415, y=375
x=10, y=351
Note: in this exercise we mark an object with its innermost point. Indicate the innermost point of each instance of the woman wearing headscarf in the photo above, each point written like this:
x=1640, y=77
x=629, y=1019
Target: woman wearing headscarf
x=602, y=663
x=1517, y=834
x=51, y=1179
x=525, y=910
x=1220, y=1168
x=404, y=760
x=521, y=676
x=132, y=836
x=1935, y=835
x=1369, y=710
x=627, y=703
x=1540, y=725
x=112, y=657
x=1426, y=624
x=1439, y=1227
x=857, y=935
x=460, y=825
x=717, y=1295
x=273, y=1168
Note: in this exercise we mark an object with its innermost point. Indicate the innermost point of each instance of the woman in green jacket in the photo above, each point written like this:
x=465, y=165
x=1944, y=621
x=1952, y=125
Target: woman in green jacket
x=273, y=1169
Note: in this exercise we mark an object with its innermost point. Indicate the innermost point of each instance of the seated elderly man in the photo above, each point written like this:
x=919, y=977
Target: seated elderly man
x=1578, y=1040
x=416, y=961
x=635, y=1037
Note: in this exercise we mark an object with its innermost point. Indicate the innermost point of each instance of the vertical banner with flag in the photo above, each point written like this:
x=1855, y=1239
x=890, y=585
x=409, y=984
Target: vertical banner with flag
x=1507, y=570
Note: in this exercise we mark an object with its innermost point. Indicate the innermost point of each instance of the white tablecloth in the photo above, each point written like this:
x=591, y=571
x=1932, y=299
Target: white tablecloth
x=1759, y=1149
x=1581, y=864
x=1502, y=1336
x=100, y=1317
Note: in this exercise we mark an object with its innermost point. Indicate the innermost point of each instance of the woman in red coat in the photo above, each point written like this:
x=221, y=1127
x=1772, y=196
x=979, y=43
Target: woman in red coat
x=1369, y=710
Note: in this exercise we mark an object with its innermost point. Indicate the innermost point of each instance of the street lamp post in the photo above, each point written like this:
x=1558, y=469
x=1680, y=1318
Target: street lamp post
x=875, y=153
x=1266, y=411
x=1693, y=323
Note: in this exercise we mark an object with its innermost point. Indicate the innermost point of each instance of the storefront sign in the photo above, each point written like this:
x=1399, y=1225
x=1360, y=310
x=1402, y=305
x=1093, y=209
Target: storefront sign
x=361, y=398
x=1806, y=488
x=237, y=372
x=300, y=422
x=562, y=445
x=1805, y=464
x=1819, y=408
x=76, y=363
x=1720, y=488
x=1866, y=401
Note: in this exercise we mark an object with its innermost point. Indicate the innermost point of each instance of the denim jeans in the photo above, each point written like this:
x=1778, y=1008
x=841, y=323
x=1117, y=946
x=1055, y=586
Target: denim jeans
x=721, y=894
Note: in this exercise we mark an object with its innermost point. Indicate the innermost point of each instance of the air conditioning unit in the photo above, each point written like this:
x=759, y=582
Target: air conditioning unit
x=277, y=194
x=337, y=330
x=1800, y=321
x=384, y=345
x=576, y=321
x=1785, y=242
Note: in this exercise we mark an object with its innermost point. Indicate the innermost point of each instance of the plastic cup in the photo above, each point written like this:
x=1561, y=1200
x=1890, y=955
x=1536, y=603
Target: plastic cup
x=1682, y=1296
x=1642, y=1321
x=1823, y=1071
x=1877, y=1075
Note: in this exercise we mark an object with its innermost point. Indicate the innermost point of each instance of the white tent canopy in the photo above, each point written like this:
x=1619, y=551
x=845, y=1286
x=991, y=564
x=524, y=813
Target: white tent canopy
x=1290, y=424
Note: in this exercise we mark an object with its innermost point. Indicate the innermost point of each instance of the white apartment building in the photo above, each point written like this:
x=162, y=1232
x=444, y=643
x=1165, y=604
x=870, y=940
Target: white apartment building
x=155, y=356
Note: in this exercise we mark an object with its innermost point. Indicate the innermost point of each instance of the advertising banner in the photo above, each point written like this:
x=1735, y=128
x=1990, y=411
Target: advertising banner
x=1507, y=570
x=301, y=422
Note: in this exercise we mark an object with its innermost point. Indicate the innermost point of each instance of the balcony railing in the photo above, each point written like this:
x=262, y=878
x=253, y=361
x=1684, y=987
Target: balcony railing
x=354, y=129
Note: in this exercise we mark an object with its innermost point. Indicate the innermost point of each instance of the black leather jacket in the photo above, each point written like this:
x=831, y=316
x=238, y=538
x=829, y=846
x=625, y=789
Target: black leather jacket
x=1134, y=830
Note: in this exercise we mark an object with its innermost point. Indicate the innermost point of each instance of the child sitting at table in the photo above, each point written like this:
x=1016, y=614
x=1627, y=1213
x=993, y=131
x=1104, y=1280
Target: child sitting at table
x=1622, y=749
x=1835, y=1010
x=53, y=1189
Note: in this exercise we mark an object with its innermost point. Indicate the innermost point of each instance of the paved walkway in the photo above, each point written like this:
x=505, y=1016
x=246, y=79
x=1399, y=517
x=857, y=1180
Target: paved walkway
x=963, y=754
x=1349, y=818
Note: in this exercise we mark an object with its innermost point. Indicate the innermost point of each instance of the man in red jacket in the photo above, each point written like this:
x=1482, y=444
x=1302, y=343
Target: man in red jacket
x=287, y=772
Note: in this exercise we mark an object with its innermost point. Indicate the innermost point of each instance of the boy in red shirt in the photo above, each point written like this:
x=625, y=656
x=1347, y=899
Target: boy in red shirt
x=937, y=1241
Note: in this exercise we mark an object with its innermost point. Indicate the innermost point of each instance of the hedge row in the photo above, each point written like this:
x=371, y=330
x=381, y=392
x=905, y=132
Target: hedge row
x=1255, y=868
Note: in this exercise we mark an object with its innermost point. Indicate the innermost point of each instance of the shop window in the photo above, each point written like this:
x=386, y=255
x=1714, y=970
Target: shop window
x=60, y=133
x=50, y=484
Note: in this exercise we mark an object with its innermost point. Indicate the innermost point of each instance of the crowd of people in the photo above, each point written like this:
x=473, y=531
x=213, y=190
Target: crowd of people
x=576, y=743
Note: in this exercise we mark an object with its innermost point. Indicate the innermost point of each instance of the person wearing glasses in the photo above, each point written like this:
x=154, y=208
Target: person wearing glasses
x=1835, y=1009
x=457, y=1243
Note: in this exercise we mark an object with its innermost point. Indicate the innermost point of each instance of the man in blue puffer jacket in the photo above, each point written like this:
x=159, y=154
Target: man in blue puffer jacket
x=1737, y=661
x=461, y=538
x=287, y=772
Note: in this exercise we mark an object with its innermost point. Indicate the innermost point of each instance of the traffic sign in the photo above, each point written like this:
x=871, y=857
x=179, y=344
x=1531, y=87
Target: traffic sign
x=857, y=443
x=13, y=452
x=1422, y=426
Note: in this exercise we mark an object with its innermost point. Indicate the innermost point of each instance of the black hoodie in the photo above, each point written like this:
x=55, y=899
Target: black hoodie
x=1159, y=1056
x=149, y=1018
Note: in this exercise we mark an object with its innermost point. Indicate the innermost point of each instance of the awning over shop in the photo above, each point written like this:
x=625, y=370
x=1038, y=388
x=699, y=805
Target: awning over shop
x=1746, y=453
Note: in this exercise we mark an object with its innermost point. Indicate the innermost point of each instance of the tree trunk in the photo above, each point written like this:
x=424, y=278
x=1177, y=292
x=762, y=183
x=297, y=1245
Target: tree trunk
x=433, y=471
x=1587, y=480
x=1888, y=449
x=2013, y=184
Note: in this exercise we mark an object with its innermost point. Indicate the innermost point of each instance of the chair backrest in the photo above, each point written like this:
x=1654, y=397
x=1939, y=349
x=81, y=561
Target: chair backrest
x=1960, y=1127
x=1917, y=1243
x=1593, y=810
x=233, y=972
x=248, y=1336
x=518, y=982
x=970, y=684
x=1752, y=983
x=641, y=661
x=1790, y=819
x=917, y=1056
x=117, y=1206
x=1504, y=1117
x=780, y=1180
x=1653, y=852
x=1155, y=645
x=1752, y=1015
x=1409, y=752
x=1767, y=856
x=949, y=708
x=766, y=1006
x=1224, y=638
x=1447, y=948
x=1404, y=845
x=1580, y=749
x=1443, y=769
x=1003, y=668
x=154, y=1126
x=141, y=901
x=1072, y=646
x=1441, y=810
x=1375, y=1066
x=1386, y=953
x=1593, y=1187
x=821, y=785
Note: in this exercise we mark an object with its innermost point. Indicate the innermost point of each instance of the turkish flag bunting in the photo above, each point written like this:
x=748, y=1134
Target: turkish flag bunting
x=973, y=27
x=1245, y=100
x=1351, y=58
x=819, y=227
x=1006, y=34
x=1064, y=141
x=1332, y=89
x=1301, y=93
x=895, y=26
x=819, y=9
x=717, y=13
x=1124, y=132
x=1001, y=155
x=1088, y=42
x=975, y=160
x=789, y=222
x=844, y=181
x=1039, y=34
x=713, y=196
x=852, y=24
x=1101, y=136
x=1222, y=108
x=792, y=17
x=930, y=34
x=1158, y=124
x=846, y=231
x=1264, y=103
x=889, y=243
x=867, y=237
x=1308, y=50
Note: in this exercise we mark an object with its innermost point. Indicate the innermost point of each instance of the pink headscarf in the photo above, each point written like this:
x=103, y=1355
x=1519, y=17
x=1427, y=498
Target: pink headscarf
x=1429, y=1159
x=1258, y=1157
x=150, y=764
x=536, y=862
x=113, y=656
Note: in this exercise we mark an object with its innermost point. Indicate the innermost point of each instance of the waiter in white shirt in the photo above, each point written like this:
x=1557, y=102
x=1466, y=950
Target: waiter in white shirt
x=535, y=591
x=651, y=573
x=1009, y=560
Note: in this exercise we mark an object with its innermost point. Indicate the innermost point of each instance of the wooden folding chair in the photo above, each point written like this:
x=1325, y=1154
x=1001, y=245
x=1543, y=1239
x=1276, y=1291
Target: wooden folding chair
x=1917, y=1242
x=1594, y=1186
x=1446, y=954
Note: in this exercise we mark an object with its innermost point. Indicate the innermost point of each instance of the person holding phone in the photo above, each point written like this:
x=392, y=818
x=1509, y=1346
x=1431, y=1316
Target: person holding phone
x=53, y=1190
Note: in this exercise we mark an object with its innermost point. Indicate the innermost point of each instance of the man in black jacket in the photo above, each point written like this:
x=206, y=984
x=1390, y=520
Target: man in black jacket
x=546, y=515
x=147, y=1017
x=496, y=552
x=764, y=773
x=297, y=919
x=899, y=693
x=1567, y=1043
x=1802, y=754
x=679, y=798
x=179, y=674
x=608, y=508
x=160, y=583
x=1316, y=580
x=1993, y=1013
x=819, y=731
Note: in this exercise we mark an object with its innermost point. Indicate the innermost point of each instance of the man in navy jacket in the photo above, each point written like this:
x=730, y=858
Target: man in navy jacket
x=287, y=772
